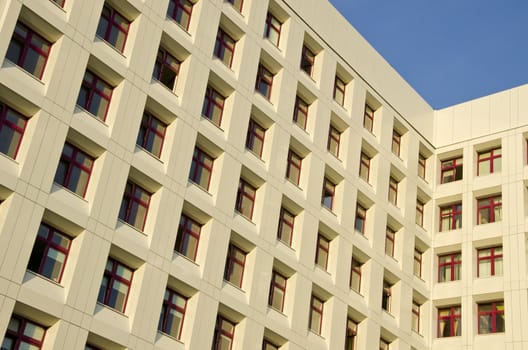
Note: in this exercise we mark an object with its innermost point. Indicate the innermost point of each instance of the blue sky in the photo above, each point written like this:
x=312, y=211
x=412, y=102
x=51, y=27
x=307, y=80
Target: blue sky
x=450, y=51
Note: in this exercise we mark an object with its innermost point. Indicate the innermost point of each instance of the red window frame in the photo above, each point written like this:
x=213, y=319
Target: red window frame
x=419, y=213
x=493, y=157
x=453, y=213
x=355, y=275
x=300, y=113
x=328, y=195
x=364, y=167
x=180, y=11
x=94, y=92
x=170, y=308
x=277, y=292
x=316, y=314
x=451, y=317
x=28, y=50
x=112, y=276
x=307, y=60
x=188, y=237
x=201, y=168
x=396, y=142
x=213, y=106
x=368, y=118
x=416, y=317
x=488, y=207
x=351, y=334
x=255, y=137
x=286, y=225
x=166, y=68
x=12, y=128
x=20, y=336
x=224, y=329
x=224, y=48
x=151, y=135
x=417, y=267
x=422, y=162
x=361, y=219
x=493, y=255
x=246, y=194
x=74, y=165
x=451, y=170
x=236, y=259
x=293, y=169
x=393, y=191
x=111, y=25
x=339, y=91
x=237, y=4
x=491, y=317
x=322, y=252
x=334, y=140
x=386, y=296
x=264, y=82
x=390, y=241
x=272, y=25
x=132, y=201
x=453, y=263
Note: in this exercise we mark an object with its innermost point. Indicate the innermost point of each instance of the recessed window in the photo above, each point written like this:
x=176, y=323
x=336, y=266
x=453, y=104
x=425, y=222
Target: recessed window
x=396, y=143
x=491, y=317
x=95, y=95
x=415, y=323
x=449, y=267
x=364, y=167
x=449, y=322
x=59, y=2
x=180, y=11
x=327, y=199
x=293, y=168
x=22, y=333
x=235, y=263
x=264, y=82
x=49, y=253
x=316, y=314
x=300, y=113
x=286, y=222
x=166, y=68
x=201, y=168
x=135, y=204
x=267, y=345
x=390, y=241
x=322, y=252
x=91, y=347
x=339, y=91
x=224, y=334
x=489, y=209
x=74, y=170
x=245, y=199
x=12, y=127
x=224, y=48
x=489, y=262
x=172, y=313
x=213, y=106
x=417, y=265
x=307, y=60
x=113, y=28
x=368, y=118
x=393, y=191
x=419, y=213
x=361, y=219
x=351, y=334
x=115, y=285
x=334, y=140
x=237, y=4
x=188, y=237
x=151, y=134
x=422, y=162
x=277, y=291
x=272, y=29
x=451, y=217
x=451, y=170
x=386, y=296
x=255, y=137
x=355, y=275
x=28, y=50
x=489, y=162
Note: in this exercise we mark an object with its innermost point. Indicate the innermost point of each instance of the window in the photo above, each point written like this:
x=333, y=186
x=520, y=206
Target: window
x=334, y=139
x=415, y=317
x=188, y=237
x=351, y=333
x=449, y=322
x=91, y=347
x=267, y=345
x=49, y=253
x=386, y=296
x=322, y=252
x=115, y=285
x=224, y=48
x=419, y=213
x=390, y=240
x=316, y=314
x=489, y=162
x=293, y=169
x=339, y=91
x=327, y=199
x=489, y=262
x=396, y=143
x=384, y=344
x=449, y=267
x=421, y=165
x=166, y=68
x=364, y=167
x=12, y=127
x=393, y=191
x=368, y=118
x=28, y=50
x=491, y=317
x=307, y=60
x=59, y=2
x=451, y=217
x=151, y=134
x=172, y=313
x=277, y=291
x=134, y=206
x=237, y=4
x=74, y=170
x=300, y=113
x=224, y=334
x=235, y=262
x=201, y=168
x=23, y=334
x=417, y=266
x=361, y=219
x=489, y=209
x=451, y=170
x=355, y=275
x=245, y=199
x=213, y=106
x=255, y=138
x=95, y=95
x=113, y=28
x=180, y=11
x=272, y=29
x=285, y=232
x=264, y=81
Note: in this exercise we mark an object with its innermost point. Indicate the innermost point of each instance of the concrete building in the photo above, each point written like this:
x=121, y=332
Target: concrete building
x=197, y=174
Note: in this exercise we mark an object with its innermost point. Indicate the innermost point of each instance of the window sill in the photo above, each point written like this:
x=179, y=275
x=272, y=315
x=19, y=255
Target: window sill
x=126, y=224
x=163, y=334
x=388, y=313
x=106, y=307
x=239, y=214
x=81, y=109
x=286, y=245
x=177, y=254
x=111, y=46
x=357, y=292
x=196, y=185
x=9, y=158
x=156, y=81
x=280, y=312
x=58, y=6
x=316, y=334
x=293, y=183
x=322, y=269
x=272, y=43
x=266, y=98
x=29, y=74
x=255, y=154
x=227, y=283
x=202, y=117
x=138, y=147
x=61, y=187
x=36, y=274
x=172, y=20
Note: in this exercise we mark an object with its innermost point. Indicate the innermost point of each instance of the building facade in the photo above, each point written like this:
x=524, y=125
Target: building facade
x=243, y=174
